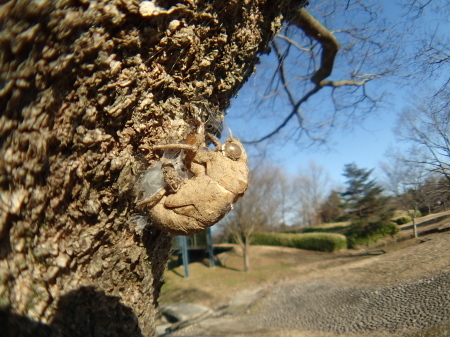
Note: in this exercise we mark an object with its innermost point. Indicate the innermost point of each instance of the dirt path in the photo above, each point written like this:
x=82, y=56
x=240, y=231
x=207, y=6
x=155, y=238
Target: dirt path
x=426, y=224
x=392, y=294
x=402, y=290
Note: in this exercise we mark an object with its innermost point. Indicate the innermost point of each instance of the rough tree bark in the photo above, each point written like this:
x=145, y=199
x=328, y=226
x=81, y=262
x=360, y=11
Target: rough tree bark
x=86, y=87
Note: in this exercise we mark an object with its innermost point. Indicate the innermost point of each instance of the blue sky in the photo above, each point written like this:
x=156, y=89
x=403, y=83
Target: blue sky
x=364, y=143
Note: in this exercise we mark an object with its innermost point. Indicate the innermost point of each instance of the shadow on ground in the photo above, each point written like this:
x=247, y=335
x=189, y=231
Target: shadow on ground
x=84, y=312
x=428, y=222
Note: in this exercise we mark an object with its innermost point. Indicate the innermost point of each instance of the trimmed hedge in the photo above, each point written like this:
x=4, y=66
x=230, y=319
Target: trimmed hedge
x=335, y=229
x=324, y=242
x=403, y=220
x=365, y=235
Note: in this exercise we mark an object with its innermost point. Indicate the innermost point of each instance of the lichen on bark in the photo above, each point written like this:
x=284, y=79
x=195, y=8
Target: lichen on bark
x=86, y=87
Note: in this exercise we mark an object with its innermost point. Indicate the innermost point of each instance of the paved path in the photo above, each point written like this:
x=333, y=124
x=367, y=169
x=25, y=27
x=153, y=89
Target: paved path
x=392, y=294
x=323, y=306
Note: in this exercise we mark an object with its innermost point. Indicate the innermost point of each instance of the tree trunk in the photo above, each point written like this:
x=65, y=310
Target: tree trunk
x=246, y=251
x=86, y=87
x=416, y=235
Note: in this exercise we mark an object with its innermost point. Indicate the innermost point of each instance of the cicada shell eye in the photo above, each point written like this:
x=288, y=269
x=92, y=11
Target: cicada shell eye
x=232, y=150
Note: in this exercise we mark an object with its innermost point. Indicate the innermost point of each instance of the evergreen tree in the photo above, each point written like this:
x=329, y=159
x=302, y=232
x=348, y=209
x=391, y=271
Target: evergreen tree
x=363, y=199
x=331, y=209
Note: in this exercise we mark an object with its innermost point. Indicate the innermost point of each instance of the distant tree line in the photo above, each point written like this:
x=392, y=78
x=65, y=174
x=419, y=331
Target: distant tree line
x=279, y=202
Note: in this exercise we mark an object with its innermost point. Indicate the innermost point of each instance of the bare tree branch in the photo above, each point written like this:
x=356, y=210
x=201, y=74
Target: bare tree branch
x=329, y=47
x=288, y=118
x=293, y=42
x=426, y=126
x=315, y=30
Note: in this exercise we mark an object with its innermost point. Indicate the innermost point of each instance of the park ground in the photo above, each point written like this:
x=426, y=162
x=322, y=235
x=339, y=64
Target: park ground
x=392, y=263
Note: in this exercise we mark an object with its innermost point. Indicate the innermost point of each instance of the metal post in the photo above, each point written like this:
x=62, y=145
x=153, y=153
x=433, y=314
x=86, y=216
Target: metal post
x=210, y=247
x=184, y=252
